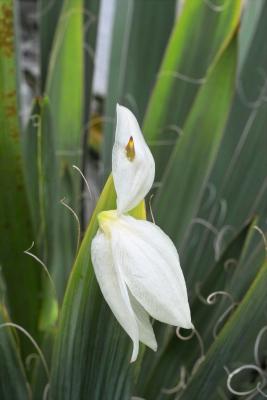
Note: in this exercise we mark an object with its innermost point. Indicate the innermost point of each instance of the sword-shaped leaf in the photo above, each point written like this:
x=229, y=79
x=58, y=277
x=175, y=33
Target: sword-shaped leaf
x=200, y=34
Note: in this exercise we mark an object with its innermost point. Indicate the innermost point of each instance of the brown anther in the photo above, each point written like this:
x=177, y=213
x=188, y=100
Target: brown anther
x=130, y=150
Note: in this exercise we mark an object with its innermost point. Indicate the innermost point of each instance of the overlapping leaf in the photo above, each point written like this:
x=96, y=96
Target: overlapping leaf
x=201, y=32
x=238, y=182
x=228, y=349
x=195, y=152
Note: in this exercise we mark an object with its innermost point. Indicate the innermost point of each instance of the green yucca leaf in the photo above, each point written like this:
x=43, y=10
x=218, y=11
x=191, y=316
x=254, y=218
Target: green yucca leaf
x=250, y=20
x=238, y=178
x=200, y=35
x=173, y=353
x=65, y=96
x=30, y=158
x=39, y=379
x=92, y=353
x=48, y=16
x=48, y=192
x=244, y=136
x=228, y=349
x=21, y=275
x=140, y=34
x=42, y=185
x=233, y=275
x=41, y=177
x=48, y=179
x=219, y=279
x=13, y=384
x=253, y=255
x=194, y=154
x=64, y=89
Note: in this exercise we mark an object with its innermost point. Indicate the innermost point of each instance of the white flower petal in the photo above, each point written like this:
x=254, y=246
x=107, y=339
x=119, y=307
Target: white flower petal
x=133, y=173
x=150, y=264
x=146, y=333
x=114, y=289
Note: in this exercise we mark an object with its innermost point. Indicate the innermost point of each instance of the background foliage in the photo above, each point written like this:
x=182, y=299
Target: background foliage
x=197, y=83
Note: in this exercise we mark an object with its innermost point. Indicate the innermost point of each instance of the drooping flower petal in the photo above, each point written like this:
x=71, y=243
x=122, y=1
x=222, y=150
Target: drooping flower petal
x=133, y=166
x=146, y=333
x=114, y=289
x=150, y=266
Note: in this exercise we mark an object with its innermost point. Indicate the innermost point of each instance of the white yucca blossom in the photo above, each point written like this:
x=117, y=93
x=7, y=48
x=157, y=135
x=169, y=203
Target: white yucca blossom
x=135, y=262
